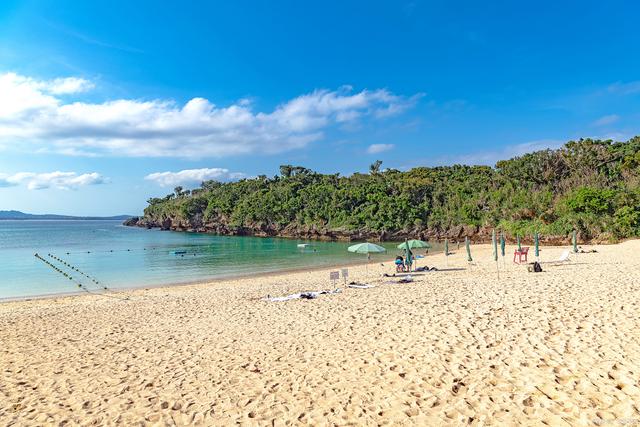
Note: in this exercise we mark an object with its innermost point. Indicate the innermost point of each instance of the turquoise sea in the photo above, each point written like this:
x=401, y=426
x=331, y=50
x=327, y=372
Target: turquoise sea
x=125, y=257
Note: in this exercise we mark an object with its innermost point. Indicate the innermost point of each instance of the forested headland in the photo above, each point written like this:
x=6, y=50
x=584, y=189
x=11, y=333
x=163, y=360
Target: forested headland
x=591, y=186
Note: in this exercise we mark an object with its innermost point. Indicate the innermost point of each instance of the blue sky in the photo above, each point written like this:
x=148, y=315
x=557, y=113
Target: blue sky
x=105, y=104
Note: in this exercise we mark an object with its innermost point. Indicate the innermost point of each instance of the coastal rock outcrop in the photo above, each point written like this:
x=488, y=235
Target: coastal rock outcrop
x=455, y=234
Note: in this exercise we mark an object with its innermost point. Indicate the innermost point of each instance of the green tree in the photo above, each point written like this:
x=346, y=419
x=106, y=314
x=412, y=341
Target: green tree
x=374, y=168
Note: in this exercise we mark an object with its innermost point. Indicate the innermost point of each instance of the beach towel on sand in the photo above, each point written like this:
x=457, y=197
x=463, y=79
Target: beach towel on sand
x=359, y=286
x=302, y=295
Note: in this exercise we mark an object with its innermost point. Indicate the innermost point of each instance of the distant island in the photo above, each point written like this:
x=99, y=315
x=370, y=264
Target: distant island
x=17, y=215
x=590, y=186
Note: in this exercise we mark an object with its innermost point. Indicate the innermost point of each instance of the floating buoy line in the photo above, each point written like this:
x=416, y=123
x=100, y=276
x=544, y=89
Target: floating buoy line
x=75, y=281
x=76, y=269
x=171, y=252
x=106, y=251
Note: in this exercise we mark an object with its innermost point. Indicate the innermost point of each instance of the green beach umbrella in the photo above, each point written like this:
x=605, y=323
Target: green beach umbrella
x=467, y=244
x=494, y=243
x=446, y=247
x=366, y=248
x=518, y=238
x=414, y=244
x=502, y=244
x=536, y=244
x=574, y=240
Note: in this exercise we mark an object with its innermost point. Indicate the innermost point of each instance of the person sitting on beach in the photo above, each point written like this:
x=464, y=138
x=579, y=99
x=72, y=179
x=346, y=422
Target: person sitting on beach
x=399, y=263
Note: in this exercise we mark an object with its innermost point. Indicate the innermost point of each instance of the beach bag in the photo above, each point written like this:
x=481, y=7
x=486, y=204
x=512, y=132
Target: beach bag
x=537, y=268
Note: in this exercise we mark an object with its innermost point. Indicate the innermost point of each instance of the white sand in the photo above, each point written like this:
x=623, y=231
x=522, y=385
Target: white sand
x=457, y=347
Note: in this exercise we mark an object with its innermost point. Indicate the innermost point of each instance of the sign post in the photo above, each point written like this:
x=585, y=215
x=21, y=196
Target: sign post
x=345, y=275
x=334, y=276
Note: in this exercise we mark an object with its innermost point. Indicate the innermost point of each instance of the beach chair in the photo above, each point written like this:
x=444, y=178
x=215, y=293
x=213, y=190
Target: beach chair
x=520, y=256
x=564, y=257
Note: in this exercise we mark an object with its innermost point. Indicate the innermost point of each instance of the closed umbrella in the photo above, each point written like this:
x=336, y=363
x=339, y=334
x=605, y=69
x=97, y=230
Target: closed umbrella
x=408, y=255
x=574, y=240
x=537, y=244
x=494, y=243
x=518, y=238
x=467, y=244
x=446, y=251
x=502, y=244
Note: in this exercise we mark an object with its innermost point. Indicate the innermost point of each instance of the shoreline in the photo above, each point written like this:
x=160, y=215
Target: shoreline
x=461, y=343
x=227, y=278
x=237, y=277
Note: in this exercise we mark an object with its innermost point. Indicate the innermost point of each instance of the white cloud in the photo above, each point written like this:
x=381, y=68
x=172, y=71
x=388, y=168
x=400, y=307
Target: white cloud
x=68, y=85
x=622, y=88
x=606, y=120
x=379, y=148
x=60, y=180
x=193, y=176
x=32, y=113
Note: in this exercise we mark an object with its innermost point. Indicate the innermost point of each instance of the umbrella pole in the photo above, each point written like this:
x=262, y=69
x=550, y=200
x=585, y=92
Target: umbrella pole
x=366, y=268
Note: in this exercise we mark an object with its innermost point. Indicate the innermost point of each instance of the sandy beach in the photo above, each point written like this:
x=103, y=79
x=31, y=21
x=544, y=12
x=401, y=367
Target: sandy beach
x=455, y=347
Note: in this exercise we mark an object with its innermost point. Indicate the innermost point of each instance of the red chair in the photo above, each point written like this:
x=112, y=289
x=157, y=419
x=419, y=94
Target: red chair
x=520, y=255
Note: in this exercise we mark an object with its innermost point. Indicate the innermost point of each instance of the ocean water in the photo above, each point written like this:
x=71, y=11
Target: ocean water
x=125, y=257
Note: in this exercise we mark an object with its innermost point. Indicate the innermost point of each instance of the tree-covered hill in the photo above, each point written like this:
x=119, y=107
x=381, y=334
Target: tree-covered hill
x=591, y=186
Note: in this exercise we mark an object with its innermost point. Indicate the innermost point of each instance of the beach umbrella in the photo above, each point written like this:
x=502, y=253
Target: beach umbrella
x=574, y=240
x=366, y=248
x=413, y=244
x=446, y=247
x=494, y=243
x=502, y=244
x=536, y=244
x=518, y=238
x=466, y=243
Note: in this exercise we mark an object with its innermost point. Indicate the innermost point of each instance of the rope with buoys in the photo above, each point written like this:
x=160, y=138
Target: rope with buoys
x=106, y=251
x=197, y=248
x=75, y=281
x=76, y=269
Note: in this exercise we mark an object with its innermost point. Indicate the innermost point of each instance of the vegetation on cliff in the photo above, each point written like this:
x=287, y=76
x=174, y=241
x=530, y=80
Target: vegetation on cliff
x=592, y=186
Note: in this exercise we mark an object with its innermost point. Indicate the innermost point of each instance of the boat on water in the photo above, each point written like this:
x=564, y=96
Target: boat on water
x=304, y=245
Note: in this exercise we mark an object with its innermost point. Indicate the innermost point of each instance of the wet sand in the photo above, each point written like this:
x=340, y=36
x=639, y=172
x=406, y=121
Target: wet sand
x=457, y=346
